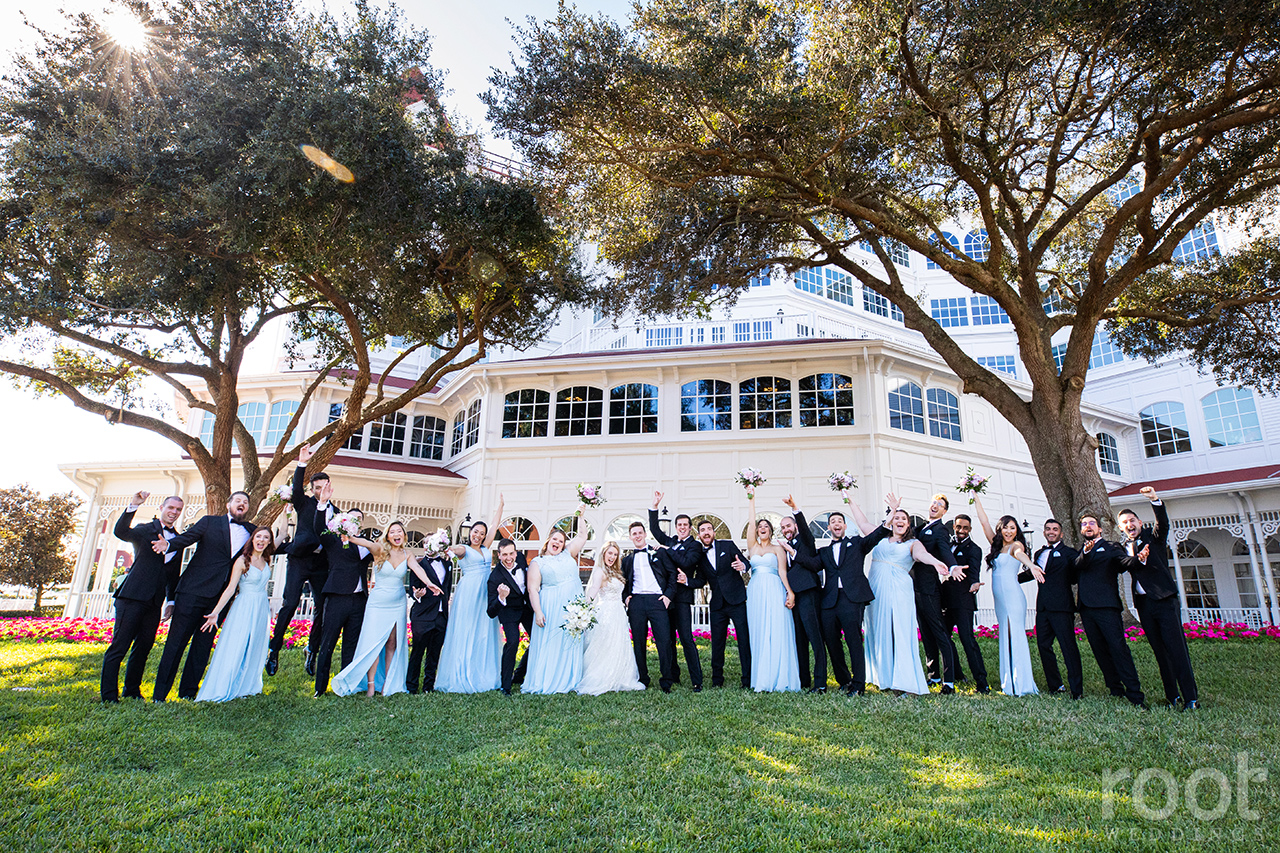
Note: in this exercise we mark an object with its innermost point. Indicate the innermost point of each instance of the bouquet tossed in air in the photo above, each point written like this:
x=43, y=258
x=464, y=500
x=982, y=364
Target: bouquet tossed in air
x=750, y=479
x=842, y=481
x=973, y=483
x=589, y=495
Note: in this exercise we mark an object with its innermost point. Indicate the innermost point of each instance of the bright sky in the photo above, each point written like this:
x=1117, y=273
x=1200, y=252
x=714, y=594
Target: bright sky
x=470, y=38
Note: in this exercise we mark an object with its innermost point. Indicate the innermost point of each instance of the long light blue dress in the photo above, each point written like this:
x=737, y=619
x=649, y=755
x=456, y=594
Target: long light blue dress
x=236, y=666
x=555, y=657
x=385, y=611
x=1016, y=677
x=471, y=657
x=892, y=641
x=773, y=632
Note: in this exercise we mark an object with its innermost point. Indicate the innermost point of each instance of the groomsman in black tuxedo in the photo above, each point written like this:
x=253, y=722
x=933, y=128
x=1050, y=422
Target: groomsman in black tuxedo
x=647, y=592
x=845, y=595
x=1155, y=593
x=509, y=604
x=940, y=663
x=721, y=568
x=1056, y=610
x=306, y=565
x=345, y=594
x=683, y=554
x=1098, y=568
x=140, y=598
x=804, y=577
x=429, y=617
x=960, y=601
x=219, y=539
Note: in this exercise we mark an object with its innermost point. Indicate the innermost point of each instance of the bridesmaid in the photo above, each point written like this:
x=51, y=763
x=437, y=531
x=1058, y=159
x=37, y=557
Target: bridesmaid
x=471, y=657
x=774, y=665
x=1008, y=556
x=381, y=659
x=555, y=656
x=236, y=666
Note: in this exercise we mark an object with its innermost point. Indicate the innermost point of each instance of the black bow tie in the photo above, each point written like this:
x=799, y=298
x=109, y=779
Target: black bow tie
x=169, y=530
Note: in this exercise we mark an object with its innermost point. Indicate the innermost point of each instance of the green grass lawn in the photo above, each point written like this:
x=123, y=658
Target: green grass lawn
x=721, y=770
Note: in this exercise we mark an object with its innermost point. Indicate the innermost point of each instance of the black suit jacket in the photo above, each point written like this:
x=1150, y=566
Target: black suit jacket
x=150, y=578
x=1096, y=574
x=728, y=589
x=346, y=567
x=517, y=601
x=209, y=570
x=1055, y=594
x=426, y=612
x=663, y=573
x=955, y=593
x=850, y=575
x=937, y=541
x=804, y=568
x=1156, y=579
x=306, y=536
x=680, y=555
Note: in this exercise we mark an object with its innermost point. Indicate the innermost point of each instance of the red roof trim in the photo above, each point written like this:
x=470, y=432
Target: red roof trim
x=1199, y=481
x=390, y=465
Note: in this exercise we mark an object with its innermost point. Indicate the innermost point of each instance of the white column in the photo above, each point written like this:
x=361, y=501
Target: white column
x=84, y=563
x=1266, y=575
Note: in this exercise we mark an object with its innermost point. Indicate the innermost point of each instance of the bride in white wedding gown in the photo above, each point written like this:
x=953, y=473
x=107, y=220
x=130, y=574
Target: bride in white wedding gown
x=608, y=660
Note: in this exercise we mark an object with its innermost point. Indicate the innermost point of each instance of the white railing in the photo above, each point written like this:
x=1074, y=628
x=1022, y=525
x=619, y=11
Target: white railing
x=97, y=605
x=1251, y=616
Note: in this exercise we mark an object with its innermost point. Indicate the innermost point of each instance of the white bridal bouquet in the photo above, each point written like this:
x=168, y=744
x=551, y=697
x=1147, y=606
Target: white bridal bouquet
x=580, y=614
x=749, y=478
x=842, y=481
x=345, y=524
x=973, y=483
x=589, y=495
x=437, y=543
x=284, y=494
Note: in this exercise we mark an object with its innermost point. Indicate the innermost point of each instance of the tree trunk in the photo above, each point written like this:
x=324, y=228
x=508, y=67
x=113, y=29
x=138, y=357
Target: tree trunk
x=39, y=596
x=1064, y=455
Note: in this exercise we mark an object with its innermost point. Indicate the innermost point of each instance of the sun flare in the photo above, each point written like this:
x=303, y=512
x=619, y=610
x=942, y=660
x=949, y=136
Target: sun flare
x=125, y=29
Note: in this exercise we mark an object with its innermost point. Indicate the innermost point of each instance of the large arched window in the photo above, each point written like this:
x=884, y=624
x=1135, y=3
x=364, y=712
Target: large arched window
x=950, y=238
x=977, y=245
x=1164, y=429
x=579, y=410
x=774, y=518
x=944, y=414
x=906, y=407
x=1197, y=574
x=826, y=399
x=764, y=403
x=617, y=530
x=706, y=404
x=386, y=434
x=473, y=423
x=523, y=532
x=524, y=413
x=1108, y=454
x=282, y=411
x=252, y=416
x=633, y=408
x=426, y=441
x=1231, y=417
x=721, y=529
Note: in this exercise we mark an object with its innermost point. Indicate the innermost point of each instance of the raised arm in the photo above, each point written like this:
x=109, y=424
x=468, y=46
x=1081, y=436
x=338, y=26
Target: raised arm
x=859, y=517
x=497, y=520
x=655, y=528
x=803, y=532
x=416, y=568
x=211, y=619
x=987, y=529
x=921, y=555
x=751, y=521
x=580, y=539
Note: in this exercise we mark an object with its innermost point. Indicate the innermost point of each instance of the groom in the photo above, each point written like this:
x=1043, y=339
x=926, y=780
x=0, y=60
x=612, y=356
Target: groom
x=307, y=565
x=940, y=663
x=803, y=577
x=683, y=555
x=721, y=569
x=647, y=591
x=509, y=604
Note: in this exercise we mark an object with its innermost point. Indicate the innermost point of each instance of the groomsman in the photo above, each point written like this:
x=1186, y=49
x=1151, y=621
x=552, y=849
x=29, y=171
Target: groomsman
x=429, y=617
x=803, y=575
x=344, y=594
x=140, y=597
x=1155, y=593
x=647, y=591
x=721, y=568
x=683, y=554
x=509, y=604
x=960, y=601
x=938, y=657
x=219, y=539
x=306, y=565
x=1098, y=568
x=845, y=595
x=1056, y=610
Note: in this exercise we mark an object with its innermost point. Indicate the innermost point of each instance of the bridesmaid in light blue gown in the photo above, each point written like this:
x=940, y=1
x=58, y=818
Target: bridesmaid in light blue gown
x=236, y=666
x=471, y=657
x=892, y=650
x=555, y=656
x=774, y=665
x=1008, y=556
x=381, y=660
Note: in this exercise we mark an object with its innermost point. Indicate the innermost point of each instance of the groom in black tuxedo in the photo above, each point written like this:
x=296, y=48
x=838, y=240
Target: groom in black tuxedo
x=307, y=565
x=940, y=663
x=647, y=592
x=682, y=554
x=509, y=604
x=960, y=601
x=1056, y=610
x=219, y=539
x=140, y=598
x=721, y=569
x=345, y=594
x=845, y=595
x=429, y=618
x=803, y=576
x=1098, y=568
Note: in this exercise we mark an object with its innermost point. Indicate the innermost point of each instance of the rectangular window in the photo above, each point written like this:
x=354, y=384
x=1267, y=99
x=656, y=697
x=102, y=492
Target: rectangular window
x=986, y=312
x=1002, y=363
x=874, y=303
x=809, y=280
x=664, y=336
x=1202, y=588
x=840, y=288
x=356, y=441
x=386, y=435
x=949, y=312
x=742, y=331
x=717, y=334
x=1244, y=585
x=426, y=441
x=1104, y=350
x=1059, y=353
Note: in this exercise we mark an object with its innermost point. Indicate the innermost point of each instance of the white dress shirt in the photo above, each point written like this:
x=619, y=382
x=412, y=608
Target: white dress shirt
x=645, y=582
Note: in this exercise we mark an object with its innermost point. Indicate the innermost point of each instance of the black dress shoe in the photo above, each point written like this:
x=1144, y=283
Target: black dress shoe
x=1193, y=705
x=947, y=690
x=816, y=690
x=666, y=688
x=309, y=663
x=317, y=694
x=983, y=689
x=506, y=691
x=273, y=663
x=697, y=688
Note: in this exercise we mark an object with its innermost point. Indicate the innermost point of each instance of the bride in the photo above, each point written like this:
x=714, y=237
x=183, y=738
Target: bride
x=608, y=662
